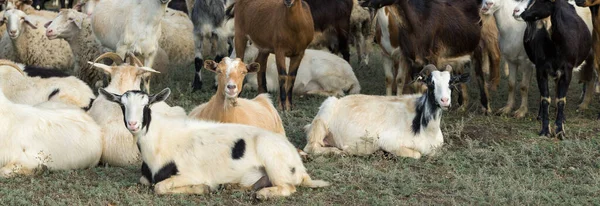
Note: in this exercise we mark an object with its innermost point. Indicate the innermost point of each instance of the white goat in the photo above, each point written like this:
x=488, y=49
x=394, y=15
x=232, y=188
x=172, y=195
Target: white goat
x=320, y=72
x=42, y=85
x=183, y=155
x=59, y=137
x=120, y=147
x=130, y=26
x=30, y=45
x=407, y=126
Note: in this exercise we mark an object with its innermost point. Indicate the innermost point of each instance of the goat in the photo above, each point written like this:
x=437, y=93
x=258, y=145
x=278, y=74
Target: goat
x=282, y=27
x=406, y=126
x=437, y=32
x=594, y=5
x=119, y=148
x=226, y=107
x=209, y=21
x=554, y=50
x=130, y=27
x=40, y=4
x=182, y=155
x=333, y=23
x=58, y=136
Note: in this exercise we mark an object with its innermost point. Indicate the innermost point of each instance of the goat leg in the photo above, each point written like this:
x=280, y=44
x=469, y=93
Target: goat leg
x=542, y=81
x=294, y=65
x=280, y=62
x=561, y=99
x=198, y=62
x=261, y=77
x=483, y=91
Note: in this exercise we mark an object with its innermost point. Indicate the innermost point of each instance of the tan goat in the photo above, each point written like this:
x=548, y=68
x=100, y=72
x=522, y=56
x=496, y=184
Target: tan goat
x=226, y=107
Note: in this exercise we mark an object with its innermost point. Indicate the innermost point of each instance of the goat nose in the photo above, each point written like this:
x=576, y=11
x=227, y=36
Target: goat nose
x=231, y=86
x=516, y=11
x=12, y=32
x=444, y=99
x=132, y=123
x=489, y=3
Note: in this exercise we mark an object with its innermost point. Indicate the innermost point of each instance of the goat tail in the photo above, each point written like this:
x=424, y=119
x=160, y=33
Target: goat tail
x=309, y=182
x=318, y=129
x=229, y=11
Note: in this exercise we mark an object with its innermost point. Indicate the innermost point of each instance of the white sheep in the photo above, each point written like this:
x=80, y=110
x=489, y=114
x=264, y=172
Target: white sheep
x=30, y=45
x=407, y=126
x=59, y=137
x=320, y=72
x=41, y=85
x=120, y=147
x=182, y=155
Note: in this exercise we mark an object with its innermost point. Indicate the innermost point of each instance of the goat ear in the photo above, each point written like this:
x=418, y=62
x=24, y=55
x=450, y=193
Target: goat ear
x=110, y=96
x=463, y=78
x=211, y=65
x=159, y=97
x=253, y=67
x=107, y=69
x=448, y=68
x=30, y=22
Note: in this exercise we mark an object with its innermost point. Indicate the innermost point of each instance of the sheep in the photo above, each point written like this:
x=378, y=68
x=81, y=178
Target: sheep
x=75, y=28
x=406, y=126
x=182, y=155
x=59, y=137
x=30, y=45
x=119, y=145
x=226, y=107
x=209, y=27
x=320, y=72
x=130, y=27
x=282, y=27
x=555, y=50
x=33, y=85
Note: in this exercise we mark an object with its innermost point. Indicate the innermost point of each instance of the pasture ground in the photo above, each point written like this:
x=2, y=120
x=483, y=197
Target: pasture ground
x=487, y=160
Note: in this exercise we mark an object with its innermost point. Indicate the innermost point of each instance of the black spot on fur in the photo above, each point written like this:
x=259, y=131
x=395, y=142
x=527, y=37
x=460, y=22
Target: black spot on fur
x=237, y=152
x=426, y=109
x=89, y=105
x=293, y=170
x=41, y=72
x=147, y=117
x=53, y=93
x=165, y=172
x=146, y=172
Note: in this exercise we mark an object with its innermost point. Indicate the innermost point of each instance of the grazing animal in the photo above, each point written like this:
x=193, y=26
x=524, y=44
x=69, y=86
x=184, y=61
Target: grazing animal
x=130, y=27
x=440, y=33
x=282, y=27
x=320, y=72
x=209, y=25
x=225, y=106
x=406, y=126
x=555, y=50
x=333, y=23
x=594, y=6
x=182, y=155
x=57, y=136
x=30, y=45
x=119, y=148
x=40, y=4
x=179, y=5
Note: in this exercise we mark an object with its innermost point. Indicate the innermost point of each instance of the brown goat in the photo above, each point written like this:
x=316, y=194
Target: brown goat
x=594, y=6
x=282, y=27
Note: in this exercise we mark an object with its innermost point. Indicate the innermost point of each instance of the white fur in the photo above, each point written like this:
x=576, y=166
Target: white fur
x=57, y=136
x=320, y=72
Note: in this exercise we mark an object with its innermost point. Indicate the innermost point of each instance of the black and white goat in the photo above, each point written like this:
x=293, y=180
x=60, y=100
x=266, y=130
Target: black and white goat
x=183, y=155
x=555, y=46
x=407, y=125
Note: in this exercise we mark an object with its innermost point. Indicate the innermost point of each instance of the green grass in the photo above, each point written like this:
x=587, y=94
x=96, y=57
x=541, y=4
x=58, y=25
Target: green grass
x=487, y=160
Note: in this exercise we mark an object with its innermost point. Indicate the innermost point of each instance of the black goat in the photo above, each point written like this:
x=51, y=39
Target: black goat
x=555, y=50
x=333, y=15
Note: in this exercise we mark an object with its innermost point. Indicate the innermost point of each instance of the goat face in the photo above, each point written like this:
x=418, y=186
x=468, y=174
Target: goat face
x=65, y=25
x=135, y=106
x=230, y=73
x=14, y=20
x=488, y=7
x=439, y=83
x=534, y=10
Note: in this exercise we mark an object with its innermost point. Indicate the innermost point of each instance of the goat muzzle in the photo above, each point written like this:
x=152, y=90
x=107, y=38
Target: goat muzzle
x=288, y=3
x=164, y=1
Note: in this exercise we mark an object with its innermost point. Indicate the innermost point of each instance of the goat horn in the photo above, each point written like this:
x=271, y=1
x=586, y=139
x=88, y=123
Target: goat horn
x=134, y=60
x=13, y=65
x=428, y=69
x=111, y=55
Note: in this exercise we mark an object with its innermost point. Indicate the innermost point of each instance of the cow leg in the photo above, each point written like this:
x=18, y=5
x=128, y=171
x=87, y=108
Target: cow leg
x=542, y=81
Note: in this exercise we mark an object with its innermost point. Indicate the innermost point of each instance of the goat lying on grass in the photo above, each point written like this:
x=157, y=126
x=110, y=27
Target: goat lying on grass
x=407, y=125
x=182, y=155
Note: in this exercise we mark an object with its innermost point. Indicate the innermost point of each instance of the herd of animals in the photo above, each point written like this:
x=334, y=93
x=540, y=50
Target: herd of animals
x=114, y=47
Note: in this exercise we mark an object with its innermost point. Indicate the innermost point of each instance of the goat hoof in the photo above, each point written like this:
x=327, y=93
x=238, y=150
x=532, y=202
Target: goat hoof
x=520, y=113
x=504, y=110
x=544, y=133
x=582, y=107
x=560, y=135
x=197, y=87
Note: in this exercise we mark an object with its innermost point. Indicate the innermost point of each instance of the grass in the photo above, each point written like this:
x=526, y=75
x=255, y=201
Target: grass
x=487, y=160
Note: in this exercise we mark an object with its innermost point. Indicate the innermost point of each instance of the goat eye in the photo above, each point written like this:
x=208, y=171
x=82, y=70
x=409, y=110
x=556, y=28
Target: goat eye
x=70, y=19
